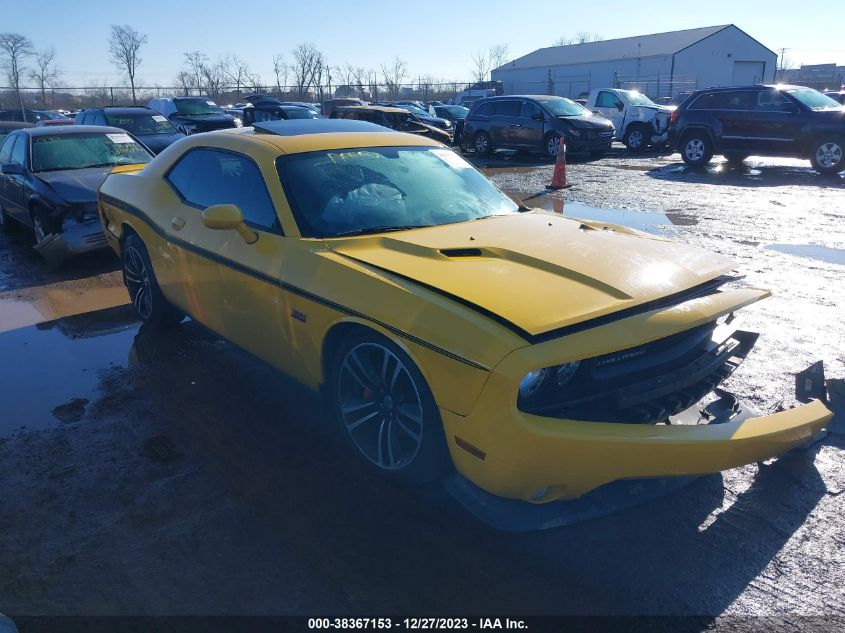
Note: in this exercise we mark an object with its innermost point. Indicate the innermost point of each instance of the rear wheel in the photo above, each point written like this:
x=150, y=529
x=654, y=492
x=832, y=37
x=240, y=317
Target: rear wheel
x=696, y=149
x=482, y=145
x=385, y=409
x=828, y=156
x=144, y=292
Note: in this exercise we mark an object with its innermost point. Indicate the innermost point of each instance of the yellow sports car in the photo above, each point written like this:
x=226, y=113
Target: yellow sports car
x=446, y=326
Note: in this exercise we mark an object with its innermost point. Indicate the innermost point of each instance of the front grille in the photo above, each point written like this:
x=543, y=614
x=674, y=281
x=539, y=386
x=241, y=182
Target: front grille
x=648, y=383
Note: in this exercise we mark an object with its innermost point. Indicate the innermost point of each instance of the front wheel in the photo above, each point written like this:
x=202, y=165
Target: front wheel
x=696, y=149
x=551, y=145
x=147, y=299
x=636, y=139
x=385, y=409
x=828, y=156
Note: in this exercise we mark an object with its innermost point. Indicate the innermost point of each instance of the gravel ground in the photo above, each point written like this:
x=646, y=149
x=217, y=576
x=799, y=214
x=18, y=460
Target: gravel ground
x=196, y=480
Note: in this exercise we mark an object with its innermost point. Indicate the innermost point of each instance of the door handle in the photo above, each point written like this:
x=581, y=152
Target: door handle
x=514, y=125
x=177, y=223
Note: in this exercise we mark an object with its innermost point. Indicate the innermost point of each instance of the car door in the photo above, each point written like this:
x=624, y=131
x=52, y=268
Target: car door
x=230, y=285
x=777, y=123
x=17, y=187
x=529, y=131
x=735, y=119
x=610, y=106
x=504, y=122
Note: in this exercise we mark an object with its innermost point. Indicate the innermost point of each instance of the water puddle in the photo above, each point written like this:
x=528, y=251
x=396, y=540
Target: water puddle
x=821, y=253
x=647, y=221
x=55, y=365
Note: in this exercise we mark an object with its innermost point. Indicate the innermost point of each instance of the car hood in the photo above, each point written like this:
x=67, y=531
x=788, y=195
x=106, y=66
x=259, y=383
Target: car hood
x=157, y=142
x=538, y=271
x=202, y=119
x=76, y=185
x=587, y=121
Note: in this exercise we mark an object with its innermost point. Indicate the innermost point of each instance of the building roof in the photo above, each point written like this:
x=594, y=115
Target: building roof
x=622, y=48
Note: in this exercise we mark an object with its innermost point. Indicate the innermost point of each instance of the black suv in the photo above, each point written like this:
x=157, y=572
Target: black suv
x=535, y=123
x=153, y=129
x=763, y=121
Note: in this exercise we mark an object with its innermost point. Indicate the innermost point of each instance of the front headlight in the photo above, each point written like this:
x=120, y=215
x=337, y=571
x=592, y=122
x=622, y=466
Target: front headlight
x=535, y=381
x=532, y=381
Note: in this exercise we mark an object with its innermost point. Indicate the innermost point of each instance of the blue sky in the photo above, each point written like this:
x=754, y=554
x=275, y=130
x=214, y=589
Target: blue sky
x=436, y=38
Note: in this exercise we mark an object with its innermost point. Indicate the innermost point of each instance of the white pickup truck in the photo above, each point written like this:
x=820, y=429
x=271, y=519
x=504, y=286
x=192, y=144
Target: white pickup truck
x=639, y=122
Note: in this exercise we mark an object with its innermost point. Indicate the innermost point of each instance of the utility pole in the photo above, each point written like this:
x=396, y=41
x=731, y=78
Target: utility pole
x=782, y=60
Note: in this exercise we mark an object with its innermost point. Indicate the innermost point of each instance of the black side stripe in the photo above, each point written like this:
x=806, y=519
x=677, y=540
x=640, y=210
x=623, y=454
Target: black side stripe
x=224, y=261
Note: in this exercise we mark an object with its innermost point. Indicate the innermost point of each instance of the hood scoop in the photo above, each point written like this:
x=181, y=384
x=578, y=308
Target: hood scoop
x=461, y=252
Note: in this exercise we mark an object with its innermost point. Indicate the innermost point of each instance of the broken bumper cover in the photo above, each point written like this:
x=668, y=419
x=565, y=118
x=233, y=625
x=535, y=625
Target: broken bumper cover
x=75, y=239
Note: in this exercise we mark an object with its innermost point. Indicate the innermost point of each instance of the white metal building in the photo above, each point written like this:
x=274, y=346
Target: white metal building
x=663, y=64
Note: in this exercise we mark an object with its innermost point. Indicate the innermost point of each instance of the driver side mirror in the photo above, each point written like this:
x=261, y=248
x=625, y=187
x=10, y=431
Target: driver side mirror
x=12, y=169
x=791, y=108
x=620, y=106
x=225, y=217
x=538, y=116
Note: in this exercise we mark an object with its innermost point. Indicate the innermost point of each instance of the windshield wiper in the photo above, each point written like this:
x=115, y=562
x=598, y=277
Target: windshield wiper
x=379, y=229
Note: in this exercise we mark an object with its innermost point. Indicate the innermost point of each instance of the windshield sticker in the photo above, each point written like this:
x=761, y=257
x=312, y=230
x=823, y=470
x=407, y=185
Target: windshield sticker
x=120, y=138
x=159, y=119
x=451, y=158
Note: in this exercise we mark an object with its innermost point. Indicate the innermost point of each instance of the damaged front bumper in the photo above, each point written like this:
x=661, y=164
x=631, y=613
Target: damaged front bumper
x=539, y=458
x=76, y=238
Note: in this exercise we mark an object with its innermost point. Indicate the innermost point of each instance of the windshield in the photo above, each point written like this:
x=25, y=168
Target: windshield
x=813, y=99
x=78, y=151
x=563, y=107
x=403, y=121
x=415, y=109
x=142, y=124
x=302, y=113
x=372, y=190
x=195, y=107
x=637, y=98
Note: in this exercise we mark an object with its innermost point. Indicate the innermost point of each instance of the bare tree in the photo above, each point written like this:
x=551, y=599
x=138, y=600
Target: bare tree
x=280, y=69
x=15, y=48
x=372, y=83
x=237, y=71
x=393, y=74
x=307, y=67
x=124, y=44
x=195, y=61
x=45, y=74
x=585, y=37
x=185, y=80
x=498, y=55
x=212, y=78
x=481, y=65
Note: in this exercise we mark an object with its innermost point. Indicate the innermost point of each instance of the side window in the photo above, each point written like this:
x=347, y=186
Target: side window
x=6, y=149
x=205, y=177
x=707, y=101
x=529, y=109
x=19, y=152
x=507, y=108
x=771, y=101
x=607, y=99
x=485, y=109
x=735, y=100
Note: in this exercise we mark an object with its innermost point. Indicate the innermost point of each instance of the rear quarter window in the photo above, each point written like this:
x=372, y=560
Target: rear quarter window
x=484, y=109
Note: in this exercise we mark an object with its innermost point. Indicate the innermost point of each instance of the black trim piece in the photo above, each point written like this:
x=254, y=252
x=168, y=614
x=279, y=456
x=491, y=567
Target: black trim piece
x=280, y=284
x=708, y=287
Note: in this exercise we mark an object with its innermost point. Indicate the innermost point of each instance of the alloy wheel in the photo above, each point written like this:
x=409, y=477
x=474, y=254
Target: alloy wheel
x=380, y=406
x=553, y=145
x=481, y=143
x=694, y=149
x=635, y=139
x=829, y=155
x=137, y=282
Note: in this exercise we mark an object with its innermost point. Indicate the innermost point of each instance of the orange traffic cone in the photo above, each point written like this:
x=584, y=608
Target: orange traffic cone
x=559, y=176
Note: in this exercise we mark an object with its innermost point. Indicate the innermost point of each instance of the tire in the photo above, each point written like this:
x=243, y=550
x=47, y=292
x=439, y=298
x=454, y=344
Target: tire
x=736, y=158
x=7, y=224
x=696, y=148
x=551, y=145
x=828, y=156
x=481, y=143
x=144, y=292
x=636, y=138
x=385, y=410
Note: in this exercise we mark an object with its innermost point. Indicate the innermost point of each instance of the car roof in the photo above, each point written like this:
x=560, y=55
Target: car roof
x=752, y=87
x=361, y=108
x=121, y=109
x=72, y=129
